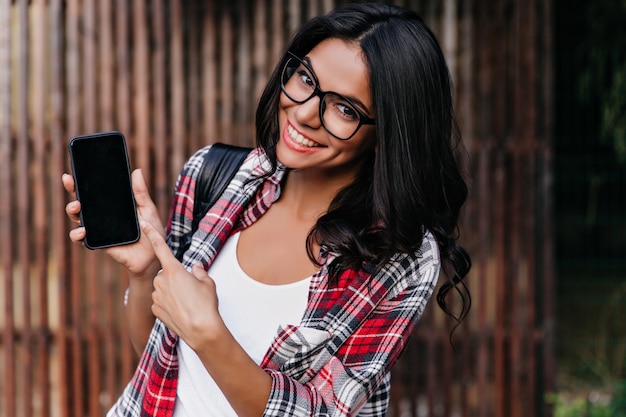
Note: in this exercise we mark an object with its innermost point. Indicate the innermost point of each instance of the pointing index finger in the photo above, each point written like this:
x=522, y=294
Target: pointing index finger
x=161, y=250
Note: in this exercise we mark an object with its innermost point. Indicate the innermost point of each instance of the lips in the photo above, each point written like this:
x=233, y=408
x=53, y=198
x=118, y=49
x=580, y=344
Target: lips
x=298, y=138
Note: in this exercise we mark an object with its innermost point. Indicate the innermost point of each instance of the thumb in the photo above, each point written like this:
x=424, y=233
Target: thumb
x=140, y=189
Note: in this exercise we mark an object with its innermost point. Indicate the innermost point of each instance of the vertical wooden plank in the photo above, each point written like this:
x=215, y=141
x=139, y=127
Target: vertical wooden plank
x=449, y=35
x=431, y=365
x=194, y=15
x=416, y=386
x=58, y=227
x=105, y=60
x=209, y=74
x=449, y=44
x=123, y=70
x=106, y=84
x=74, y=106
x=161, y=192
x=179, y=153
x=141, y=92
x=123, y=116
x=500, y=336
x=312, y=8
x=91, y=273
x=109, y=335
x=483, y=152
x=41, y=385
x=293, y=18
x=23, y=185
x=226, y=75
x=500, y=238
x=465, y=102
x=398, y=383
x=243, y=86
x=448, y=374
x=464, y=93
x=260, y=52
x=277, y=37
x=482, y=263
x=6, y=210
x=89, y=64
x=411, y=373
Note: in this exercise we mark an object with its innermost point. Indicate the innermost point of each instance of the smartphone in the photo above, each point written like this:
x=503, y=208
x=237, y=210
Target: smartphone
x=101, y=171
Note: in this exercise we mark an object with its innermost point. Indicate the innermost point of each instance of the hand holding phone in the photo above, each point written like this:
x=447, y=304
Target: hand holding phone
x=101, y=172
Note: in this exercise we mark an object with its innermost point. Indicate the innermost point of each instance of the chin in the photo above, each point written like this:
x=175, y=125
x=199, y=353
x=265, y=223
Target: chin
x=283, y=154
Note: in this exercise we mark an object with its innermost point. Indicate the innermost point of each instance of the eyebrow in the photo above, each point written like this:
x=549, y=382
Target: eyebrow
x=353, y=99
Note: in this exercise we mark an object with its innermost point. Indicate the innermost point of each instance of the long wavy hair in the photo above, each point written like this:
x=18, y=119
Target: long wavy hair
x=412, y=181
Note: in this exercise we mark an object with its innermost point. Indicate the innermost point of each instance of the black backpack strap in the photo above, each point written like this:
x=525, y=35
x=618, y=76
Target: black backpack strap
x=219, y=166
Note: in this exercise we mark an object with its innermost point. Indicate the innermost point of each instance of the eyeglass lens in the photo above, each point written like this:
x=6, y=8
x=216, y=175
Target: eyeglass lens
x=339, y=116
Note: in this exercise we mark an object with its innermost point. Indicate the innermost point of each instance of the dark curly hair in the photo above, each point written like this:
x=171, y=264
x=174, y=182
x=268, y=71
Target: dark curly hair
x=412, y=182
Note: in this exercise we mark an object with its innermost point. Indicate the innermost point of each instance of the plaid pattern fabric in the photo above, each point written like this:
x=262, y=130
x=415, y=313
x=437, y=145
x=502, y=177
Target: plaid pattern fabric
x=337, y=361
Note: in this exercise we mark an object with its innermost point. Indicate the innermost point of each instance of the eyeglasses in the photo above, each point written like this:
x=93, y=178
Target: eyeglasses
x=339, y=115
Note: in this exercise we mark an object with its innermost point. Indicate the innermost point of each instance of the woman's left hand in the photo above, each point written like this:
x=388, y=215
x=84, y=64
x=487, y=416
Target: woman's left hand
x=185, y=302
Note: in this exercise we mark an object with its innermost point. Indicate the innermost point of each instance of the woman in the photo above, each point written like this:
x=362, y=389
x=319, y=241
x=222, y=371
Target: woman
x=304, y=281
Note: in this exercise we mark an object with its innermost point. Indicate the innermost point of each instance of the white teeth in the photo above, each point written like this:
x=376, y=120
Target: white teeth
x=298, y=138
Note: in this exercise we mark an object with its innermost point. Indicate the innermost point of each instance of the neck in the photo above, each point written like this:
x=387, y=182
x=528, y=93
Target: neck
x=309, y=195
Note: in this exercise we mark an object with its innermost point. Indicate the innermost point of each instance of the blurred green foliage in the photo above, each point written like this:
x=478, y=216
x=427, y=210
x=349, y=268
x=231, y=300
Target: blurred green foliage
x=590, y=405
x=603, y=76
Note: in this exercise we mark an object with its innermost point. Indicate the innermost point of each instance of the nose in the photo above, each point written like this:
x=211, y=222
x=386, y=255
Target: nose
x=308, y=113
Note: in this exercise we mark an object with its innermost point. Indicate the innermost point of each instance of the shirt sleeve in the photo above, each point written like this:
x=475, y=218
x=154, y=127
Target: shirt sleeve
x=182, y=205
x=353, y=378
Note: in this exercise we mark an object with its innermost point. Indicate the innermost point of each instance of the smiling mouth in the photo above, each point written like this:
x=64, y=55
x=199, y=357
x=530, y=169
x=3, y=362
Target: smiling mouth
x=299, y=139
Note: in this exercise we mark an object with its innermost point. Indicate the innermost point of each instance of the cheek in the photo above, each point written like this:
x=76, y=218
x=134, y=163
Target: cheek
x=283, y=105
x=359, y=150
x=365, y=141
x=282, y=108
x=284, y=102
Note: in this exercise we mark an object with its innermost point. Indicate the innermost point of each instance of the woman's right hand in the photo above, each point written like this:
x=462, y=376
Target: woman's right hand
x=139, y=258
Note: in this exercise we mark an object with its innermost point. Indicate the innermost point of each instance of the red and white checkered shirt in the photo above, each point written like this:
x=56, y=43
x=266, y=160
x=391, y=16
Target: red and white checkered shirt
x=337, y=361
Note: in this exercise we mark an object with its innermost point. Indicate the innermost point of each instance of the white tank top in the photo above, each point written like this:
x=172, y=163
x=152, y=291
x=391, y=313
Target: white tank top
x=252, y=312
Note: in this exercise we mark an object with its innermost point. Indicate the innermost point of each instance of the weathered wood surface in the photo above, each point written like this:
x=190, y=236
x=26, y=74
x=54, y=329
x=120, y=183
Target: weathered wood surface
x=176, y=75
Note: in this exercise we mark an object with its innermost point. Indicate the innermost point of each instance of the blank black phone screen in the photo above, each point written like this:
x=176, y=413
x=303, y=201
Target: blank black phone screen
x=103, y=186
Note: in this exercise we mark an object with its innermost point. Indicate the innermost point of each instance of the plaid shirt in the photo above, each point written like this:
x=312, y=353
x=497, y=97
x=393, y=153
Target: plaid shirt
x=337, y=361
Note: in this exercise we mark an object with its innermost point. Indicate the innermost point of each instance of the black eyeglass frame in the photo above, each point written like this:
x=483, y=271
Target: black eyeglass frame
x=317, y=92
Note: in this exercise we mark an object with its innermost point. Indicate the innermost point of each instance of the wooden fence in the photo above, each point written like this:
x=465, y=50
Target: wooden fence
x=174, y=75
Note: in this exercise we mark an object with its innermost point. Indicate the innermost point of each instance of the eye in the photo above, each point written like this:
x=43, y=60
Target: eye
x=341, y=108
x=305, y=77
x=347, y=111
